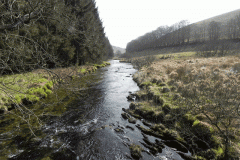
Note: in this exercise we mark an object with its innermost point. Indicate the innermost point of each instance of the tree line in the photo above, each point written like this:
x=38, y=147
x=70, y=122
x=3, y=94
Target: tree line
x=50, y=33
x=183, y=33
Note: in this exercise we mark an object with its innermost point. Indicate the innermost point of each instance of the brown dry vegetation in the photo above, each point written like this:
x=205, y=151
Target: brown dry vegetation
x=202, y=103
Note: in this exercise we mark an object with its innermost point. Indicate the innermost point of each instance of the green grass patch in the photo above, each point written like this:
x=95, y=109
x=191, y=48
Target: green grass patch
x=196, y=122
x=177, y=55
x=83, y=70
x=101, y=65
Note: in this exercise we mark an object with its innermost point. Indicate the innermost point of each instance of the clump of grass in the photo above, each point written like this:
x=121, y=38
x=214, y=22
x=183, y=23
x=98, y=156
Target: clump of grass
x=136, y=151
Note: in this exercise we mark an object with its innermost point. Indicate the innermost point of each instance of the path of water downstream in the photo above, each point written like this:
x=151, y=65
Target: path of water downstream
x=96, y=138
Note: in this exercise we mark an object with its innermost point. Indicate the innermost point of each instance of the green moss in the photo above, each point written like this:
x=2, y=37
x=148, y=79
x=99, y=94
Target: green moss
x=171, y=134
x=18, y=99
x=154, y=90
x=49, y=85
x=99, y=65
x=41, y=80
x=2, y=107
x=136, y=151
x=83, y=70
x=94, y=68
x=219, y=151
x=39, y=91
x=48, y=91
x=216, y=141
x=189, y=118
x=106, y=63
x=200, y=158
x=158, y=127
x=32, y=98
x=146, y=83
x=196, y=122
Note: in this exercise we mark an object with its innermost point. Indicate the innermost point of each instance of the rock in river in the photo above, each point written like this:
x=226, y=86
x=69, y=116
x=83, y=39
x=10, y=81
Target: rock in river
x=125, y=115
x=132, y=120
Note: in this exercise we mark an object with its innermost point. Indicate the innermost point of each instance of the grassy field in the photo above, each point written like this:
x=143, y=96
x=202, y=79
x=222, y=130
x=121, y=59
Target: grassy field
x=194, y=99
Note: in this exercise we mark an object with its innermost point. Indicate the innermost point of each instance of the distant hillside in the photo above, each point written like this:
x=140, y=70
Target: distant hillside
x=115, y=49
x=221, y=28
x=222, y=18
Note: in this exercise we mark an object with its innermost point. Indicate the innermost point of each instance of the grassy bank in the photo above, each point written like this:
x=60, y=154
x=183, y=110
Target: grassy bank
x=192, y=100
x=33, y=86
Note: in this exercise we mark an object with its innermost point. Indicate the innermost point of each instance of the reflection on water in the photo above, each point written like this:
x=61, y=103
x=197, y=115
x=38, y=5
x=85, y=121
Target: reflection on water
x=85, y=130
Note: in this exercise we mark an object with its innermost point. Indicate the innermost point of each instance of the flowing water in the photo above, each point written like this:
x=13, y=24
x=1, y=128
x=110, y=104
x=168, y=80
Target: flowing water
x=86, y=129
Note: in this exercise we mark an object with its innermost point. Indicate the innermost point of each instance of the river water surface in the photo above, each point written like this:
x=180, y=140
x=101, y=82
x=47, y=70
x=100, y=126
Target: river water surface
x=86, y=129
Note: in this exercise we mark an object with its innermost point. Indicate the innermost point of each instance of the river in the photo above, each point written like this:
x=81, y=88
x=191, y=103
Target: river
x=87, y=129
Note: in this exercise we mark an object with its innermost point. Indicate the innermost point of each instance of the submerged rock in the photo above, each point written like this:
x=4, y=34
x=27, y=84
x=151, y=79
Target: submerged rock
x=130, y=127
x=119, y=130
x=130, y=98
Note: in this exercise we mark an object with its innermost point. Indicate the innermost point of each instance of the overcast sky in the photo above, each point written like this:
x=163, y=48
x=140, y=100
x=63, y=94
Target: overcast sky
x=125, y=20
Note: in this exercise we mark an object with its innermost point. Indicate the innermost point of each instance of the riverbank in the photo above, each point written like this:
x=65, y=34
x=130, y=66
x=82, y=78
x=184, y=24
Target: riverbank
x=31, y=87
x=24, y=125
x=191, y=100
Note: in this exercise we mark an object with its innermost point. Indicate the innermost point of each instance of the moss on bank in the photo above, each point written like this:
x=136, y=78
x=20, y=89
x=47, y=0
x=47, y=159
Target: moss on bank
x=40, y=105
x=33, y=86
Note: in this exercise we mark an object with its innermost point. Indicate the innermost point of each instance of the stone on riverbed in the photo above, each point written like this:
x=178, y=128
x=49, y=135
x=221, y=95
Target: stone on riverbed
x=130, y=127
x=132, y=120
x=130, y=97
x=125, y=115
x=120, y=130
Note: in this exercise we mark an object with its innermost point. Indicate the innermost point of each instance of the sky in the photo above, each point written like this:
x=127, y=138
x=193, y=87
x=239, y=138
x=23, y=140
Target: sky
x=125, y=20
